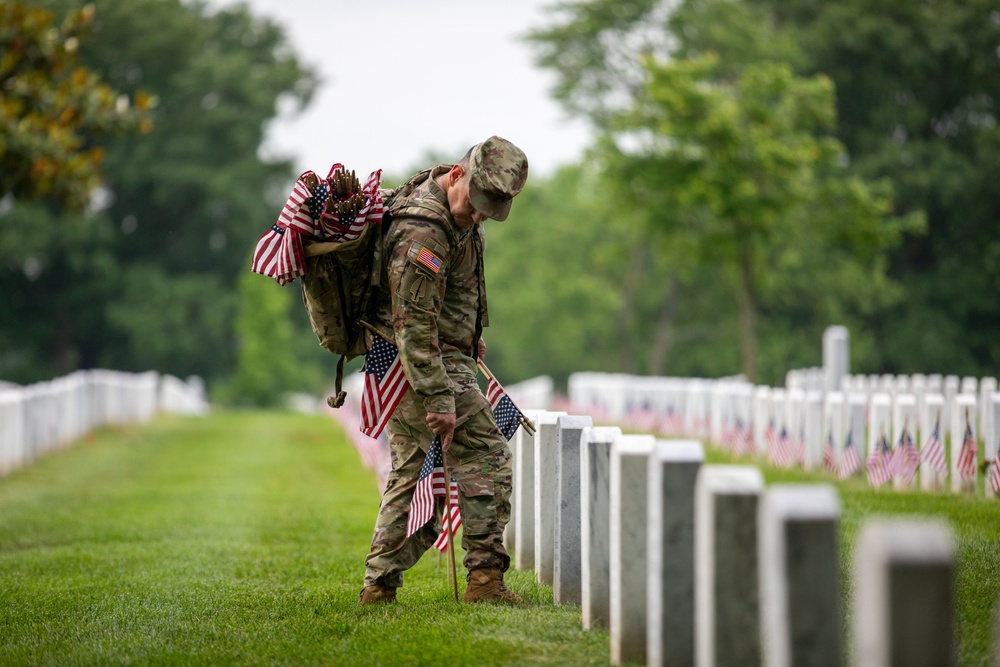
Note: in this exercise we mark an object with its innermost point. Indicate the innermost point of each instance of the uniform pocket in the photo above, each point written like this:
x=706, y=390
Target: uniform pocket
x=478, y=504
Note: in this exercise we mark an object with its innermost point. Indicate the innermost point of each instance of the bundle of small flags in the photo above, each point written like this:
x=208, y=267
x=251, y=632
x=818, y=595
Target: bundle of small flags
x=336, y=208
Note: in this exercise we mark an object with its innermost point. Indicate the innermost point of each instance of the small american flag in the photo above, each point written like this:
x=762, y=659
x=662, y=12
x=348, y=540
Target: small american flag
x=743, y=444
x=829, y=455
x=783, y=452
x=850, y=462
x=966, y=464
x=641, y=418
x=385, y=384
x=994, y=474
x=505, y=413
x=452, y=520
x=430, y=484
x=879, y=463
x=671, y=423
x=906, y=457
x=933, y=453
x=770, y=437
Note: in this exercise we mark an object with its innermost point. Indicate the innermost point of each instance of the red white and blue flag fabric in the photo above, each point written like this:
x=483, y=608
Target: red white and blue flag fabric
x=430, y=485
x=933, y=452
x=966, y=464
x=452, y=520
x=505, y=413
x=743, y=439
x=994, y=474
x=770, y=438
x=280, y=254
x=385, y=384
x=850, y=462
x=879, y=463
x=906, y=457
x=829, y=455
x=784, y=451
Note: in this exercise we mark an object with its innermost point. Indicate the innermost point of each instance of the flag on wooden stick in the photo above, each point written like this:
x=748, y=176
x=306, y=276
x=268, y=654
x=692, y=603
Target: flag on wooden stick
x=452, y=520
x=966, y=464
x=850, y=462
x=933, y=452
x=430, y=485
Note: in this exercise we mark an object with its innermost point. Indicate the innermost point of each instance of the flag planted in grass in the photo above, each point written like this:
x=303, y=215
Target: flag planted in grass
x=906, y=458
x=452, y=520
x=829, y=455
x=850, y=462
x=933, y=452
x=879, y=463
x=430, y=485
x=966, y=464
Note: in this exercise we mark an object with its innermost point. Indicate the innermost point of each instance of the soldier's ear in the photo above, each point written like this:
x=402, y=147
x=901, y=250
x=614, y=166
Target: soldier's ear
x=456, y=174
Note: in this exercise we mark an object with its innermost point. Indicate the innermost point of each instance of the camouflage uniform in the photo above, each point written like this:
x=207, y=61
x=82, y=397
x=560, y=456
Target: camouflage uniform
x=433, y=297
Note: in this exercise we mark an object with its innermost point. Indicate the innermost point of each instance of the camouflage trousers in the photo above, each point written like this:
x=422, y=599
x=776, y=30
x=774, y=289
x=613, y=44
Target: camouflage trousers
x=480, y=462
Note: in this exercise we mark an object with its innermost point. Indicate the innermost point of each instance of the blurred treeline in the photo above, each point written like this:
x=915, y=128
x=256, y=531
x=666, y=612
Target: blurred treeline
x=760, y=169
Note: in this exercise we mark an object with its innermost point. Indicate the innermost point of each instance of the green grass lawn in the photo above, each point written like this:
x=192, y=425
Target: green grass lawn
x=240, y=539
x=235, y=539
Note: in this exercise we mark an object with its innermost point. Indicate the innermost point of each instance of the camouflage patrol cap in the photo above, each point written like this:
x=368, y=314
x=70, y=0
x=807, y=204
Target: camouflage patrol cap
x=498, y=170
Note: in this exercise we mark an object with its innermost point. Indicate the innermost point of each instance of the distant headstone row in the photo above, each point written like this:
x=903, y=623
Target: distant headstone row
x=46, y=416
x=694, y=564
x=899, y=431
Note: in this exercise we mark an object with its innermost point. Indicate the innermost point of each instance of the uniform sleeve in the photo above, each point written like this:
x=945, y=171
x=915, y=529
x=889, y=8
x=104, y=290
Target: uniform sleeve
x=418, y=261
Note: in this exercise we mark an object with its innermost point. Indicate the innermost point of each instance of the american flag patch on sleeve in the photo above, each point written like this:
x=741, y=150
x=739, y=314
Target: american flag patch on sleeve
x=429, y=260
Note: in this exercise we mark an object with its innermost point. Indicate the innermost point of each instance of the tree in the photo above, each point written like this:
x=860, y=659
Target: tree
x=147, y=276
x=730, y=160
x=738, y=168
x=919, y=101
x=51, y=109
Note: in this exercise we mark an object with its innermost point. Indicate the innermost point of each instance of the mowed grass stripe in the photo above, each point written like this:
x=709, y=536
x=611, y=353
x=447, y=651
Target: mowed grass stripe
x=234, y=539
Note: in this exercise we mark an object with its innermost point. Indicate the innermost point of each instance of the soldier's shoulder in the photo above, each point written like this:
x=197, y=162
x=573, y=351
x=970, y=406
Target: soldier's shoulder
x=421, y=230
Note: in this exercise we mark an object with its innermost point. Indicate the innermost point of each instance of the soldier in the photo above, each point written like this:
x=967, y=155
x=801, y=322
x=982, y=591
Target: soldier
x=433, y=297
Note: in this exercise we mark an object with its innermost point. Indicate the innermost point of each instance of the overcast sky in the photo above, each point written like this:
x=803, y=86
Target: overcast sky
x=402, y=78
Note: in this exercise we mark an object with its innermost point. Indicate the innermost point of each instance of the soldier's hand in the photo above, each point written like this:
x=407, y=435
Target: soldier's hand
x=482, y=351
x=442, y=424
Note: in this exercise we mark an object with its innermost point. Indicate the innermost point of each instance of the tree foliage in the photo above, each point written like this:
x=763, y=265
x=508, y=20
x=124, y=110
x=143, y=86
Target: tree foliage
x=52, y=108
x=147, y=276
x=730, y=163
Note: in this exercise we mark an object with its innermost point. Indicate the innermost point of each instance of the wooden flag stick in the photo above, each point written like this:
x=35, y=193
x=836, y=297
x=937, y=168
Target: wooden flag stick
x=447, y=513
x=529, y=426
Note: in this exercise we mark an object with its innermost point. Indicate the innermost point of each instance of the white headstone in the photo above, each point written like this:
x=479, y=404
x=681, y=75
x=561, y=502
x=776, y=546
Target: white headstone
x=566, y=568
x=799, y=575
x=595, y=510
x=727, y=609
x=546, y=437
x=629, y=478
x=673, y=471
x=904, y=598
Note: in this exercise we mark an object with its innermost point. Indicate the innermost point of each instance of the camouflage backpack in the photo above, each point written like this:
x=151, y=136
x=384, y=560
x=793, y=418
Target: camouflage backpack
x=337, y=287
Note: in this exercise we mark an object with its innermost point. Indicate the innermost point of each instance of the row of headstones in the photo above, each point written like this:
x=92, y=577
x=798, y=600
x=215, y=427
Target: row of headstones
x=694, y=564
x=42, y=417
x=713, y=410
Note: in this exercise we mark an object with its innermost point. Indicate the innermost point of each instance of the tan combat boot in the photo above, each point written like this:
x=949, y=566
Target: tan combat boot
x=486, y=585
x=377, y=594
